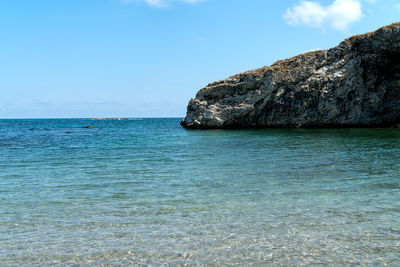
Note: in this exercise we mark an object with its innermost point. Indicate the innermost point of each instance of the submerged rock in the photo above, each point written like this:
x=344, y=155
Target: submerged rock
x=355, y=84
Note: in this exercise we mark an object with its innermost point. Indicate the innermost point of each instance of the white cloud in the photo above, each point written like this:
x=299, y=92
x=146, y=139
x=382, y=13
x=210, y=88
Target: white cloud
x=161, y=3
x=338, y=15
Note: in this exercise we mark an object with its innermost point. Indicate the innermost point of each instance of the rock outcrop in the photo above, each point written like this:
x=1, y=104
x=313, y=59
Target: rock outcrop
x=355, y=84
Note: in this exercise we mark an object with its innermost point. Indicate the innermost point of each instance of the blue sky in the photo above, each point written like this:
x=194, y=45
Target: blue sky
x=147, y=58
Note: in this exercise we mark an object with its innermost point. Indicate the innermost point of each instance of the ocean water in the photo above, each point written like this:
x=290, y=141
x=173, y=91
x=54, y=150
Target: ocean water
x=149, y=193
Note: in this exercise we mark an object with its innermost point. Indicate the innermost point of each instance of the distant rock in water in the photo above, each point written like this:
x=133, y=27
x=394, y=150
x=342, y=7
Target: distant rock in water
x=355, y=84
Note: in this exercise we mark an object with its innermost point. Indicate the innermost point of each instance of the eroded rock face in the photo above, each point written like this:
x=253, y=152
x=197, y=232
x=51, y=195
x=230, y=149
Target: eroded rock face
x=355, y=84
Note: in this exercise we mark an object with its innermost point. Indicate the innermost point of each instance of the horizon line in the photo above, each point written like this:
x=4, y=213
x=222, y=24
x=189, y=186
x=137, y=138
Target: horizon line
x=90, y=118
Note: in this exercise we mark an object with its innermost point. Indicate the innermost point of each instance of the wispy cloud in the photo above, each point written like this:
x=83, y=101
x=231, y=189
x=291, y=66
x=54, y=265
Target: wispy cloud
x=162, y=3
x=339, y=15
x=397, y=7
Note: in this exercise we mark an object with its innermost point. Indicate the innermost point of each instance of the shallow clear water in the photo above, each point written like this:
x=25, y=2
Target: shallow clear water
x=147, y=192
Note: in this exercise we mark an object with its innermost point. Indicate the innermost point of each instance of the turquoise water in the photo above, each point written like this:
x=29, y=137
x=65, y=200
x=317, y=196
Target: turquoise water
x=147, y=192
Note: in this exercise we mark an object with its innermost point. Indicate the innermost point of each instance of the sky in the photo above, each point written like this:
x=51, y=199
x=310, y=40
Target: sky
x=147, y=58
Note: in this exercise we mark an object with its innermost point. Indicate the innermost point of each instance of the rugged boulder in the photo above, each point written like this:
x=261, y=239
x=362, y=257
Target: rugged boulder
x=355, y=84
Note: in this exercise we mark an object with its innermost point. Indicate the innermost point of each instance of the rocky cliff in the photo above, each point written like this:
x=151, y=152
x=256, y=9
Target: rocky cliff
x=355, y=84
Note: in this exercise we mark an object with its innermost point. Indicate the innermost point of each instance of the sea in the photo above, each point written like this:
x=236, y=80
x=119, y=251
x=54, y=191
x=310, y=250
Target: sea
x=146, y=192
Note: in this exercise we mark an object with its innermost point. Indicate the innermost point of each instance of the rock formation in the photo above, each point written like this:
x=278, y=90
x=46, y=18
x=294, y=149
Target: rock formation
x=355, y=84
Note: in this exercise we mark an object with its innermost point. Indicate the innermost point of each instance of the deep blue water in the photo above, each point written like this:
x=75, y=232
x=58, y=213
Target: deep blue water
x=147, y=192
